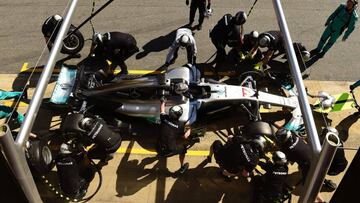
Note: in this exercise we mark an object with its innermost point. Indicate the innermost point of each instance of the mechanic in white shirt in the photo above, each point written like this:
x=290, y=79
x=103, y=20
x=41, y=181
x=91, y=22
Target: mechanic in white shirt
x=183, y=39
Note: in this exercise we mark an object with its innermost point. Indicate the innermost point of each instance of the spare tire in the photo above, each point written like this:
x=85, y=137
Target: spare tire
x=74, y=43
x=40, y=156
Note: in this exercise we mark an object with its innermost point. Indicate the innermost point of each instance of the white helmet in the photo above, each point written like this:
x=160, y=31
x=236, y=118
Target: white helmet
x=97, y=38
x=254, y=34
x=279, y=157
x=305, y=55
x=175, y=112
x=184, y=40
x=57, y=17
x=264, y=41
x=65, y=149
x=326, y=100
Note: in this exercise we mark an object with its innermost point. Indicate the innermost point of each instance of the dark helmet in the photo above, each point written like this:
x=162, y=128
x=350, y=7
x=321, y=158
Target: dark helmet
x=240, y=18
x=264, y=41
x=283, y=135
x=279, y=157
x=175, y=112
x=258, y=144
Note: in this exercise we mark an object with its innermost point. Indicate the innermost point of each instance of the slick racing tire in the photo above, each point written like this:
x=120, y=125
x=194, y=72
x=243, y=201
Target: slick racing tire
x=254, y=129
x=74, y=43
x=40, y=156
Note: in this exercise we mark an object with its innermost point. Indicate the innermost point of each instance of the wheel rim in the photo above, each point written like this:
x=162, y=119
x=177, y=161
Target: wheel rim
x=46, y=154
x=72, y=42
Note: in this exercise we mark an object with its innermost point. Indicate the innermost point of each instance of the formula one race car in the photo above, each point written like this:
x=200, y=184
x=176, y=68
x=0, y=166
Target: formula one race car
x=182, y=86
x=95, y=110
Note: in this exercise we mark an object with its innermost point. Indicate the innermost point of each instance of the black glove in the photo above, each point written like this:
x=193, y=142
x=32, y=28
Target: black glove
x=208, y=6
x=352, y=87
x=187, y=2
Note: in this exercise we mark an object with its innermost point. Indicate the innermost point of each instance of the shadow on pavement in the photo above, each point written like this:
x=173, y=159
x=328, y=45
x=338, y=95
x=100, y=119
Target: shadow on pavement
x=137, y=176
x=313, y=60
x=205, y=184
x=345, y=124
x=158, y=44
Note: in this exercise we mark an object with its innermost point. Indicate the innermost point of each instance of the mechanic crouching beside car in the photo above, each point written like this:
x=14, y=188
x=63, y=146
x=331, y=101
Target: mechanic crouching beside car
x=173, y=135
x=237, y=155
x=116, y=47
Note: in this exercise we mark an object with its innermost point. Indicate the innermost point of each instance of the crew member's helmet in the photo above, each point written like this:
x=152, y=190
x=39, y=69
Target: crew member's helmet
x=264, y=41
x=305, y=55
x=279, y=157
x=57, y=17
x=175, y=112
x=240, y=18
x=97, y=38
x=283, y=135
x=184, y=40
x=254, y=34
x=326, y=100
x=65, y=149
x=259, y=144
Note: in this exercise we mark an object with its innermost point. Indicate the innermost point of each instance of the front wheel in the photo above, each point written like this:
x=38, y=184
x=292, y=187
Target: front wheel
x=40, y=156
x=74, y=43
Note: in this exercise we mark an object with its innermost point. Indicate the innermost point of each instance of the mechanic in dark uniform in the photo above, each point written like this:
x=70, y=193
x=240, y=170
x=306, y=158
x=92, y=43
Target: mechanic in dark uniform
x=50, y=29
x=196, y=4
x=236, y=156
x=274, y=42
x=247, y=54
x=295, y=149
x=173, y=135
x=115, y=47
x=228, y=31
x=272, y=185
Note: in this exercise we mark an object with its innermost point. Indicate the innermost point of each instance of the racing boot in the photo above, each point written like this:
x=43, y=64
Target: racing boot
x=329, y=185
x=314, y=52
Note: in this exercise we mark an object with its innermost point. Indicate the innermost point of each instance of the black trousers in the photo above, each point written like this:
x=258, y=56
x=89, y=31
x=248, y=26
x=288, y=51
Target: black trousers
x=120, y=58
x=197, y=4
x=220, y=50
